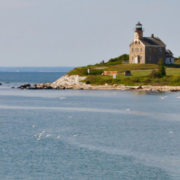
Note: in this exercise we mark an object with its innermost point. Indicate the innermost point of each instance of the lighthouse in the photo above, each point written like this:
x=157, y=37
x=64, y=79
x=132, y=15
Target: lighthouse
x=138, y=32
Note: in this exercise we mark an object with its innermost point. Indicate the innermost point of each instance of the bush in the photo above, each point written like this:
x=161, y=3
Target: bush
x=118, y=60
x=161, y=72
x=96, y=71
x=177, y=60
x=155, y=74
x=161, y=68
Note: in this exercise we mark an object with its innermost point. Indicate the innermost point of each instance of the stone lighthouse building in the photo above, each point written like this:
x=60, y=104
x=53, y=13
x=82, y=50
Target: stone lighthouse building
x=148, y=50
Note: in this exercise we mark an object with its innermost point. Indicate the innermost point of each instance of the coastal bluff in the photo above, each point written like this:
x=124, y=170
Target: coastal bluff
x=76, y=82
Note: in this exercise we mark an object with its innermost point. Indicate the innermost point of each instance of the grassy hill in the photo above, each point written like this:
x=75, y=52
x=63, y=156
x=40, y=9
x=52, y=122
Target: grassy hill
x=141, y=74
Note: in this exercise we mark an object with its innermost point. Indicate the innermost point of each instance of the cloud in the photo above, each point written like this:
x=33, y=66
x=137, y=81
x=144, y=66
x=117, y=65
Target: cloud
x=15, y=4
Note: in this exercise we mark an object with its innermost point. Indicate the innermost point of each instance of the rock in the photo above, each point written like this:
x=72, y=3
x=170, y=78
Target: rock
x=68, y=82
x=0, y=84
x=131, y=88
x=127, y=73
x=174, y=90
x=139, y=87
x=42, y=86
x=36, y=86
x=25, y=86
x=114, y=85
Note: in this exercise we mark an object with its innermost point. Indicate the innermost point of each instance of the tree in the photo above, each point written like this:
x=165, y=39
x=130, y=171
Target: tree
x=161, y=68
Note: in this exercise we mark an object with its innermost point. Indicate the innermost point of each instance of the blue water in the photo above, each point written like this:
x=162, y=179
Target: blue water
x=31, y=77
x=88, y=135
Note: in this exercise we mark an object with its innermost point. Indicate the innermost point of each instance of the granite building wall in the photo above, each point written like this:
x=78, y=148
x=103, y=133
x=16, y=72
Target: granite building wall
x=137, y=53
x=153, y=54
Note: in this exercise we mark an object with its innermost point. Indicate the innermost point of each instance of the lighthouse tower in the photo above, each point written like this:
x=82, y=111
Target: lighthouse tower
x=138, y=32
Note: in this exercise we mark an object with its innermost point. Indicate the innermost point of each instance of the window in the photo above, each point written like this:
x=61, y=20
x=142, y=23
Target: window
x=132, y=49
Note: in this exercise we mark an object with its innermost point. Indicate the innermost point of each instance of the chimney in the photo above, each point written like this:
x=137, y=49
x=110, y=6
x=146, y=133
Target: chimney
x=152, y=35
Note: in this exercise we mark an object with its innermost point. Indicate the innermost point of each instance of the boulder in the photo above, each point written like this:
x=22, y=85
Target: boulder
x=127, y=73
x=68, y=82
x=25, y=86
x=41, y=86
x=139, y=87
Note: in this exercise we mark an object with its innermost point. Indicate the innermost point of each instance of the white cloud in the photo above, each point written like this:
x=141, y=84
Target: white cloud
x=14, y=4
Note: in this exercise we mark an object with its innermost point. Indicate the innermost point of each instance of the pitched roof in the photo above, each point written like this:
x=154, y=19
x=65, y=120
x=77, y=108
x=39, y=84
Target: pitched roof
x=152, y=41
x=169, y=52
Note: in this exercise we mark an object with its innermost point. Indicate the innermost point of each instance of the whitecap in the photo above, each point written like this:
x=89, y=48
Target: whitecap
x=40, y=135
x=48, y=135
x=58, y=137
x=171, y=132
x=62, y=98
x=163, y=97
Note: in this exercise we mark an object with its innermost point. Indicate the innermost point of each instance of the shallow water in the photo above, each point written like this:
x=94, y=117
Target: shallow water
x=79, y=135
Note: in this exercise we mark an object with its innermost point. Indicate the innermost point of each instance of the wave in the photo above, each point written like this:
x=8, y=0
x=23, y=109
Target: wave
x=168, y=163
x=160, y=116
x=77, y=109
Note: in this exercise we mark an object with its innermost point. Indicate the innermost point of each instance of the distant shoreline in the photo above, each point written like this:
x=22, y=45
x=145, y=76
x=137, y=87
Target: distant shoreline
x=36, y=69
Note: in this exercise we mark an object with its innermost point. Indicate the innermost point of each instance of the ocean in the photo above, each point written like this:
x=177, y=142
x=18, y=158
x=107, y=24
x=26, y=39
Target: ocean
x=86, y=134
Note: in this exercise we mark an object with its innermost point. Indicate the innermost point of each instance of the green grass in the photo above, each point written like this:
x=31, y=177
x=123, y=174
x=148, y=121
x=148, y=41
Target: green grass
x=124, y=67
x=119, y=67
x=173, y=71
x=140, y=74
x=133, y=81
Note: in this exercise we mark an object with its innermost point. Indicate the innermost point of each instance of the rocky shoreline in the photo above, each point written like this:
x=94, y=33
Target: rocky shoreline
x=75, y=82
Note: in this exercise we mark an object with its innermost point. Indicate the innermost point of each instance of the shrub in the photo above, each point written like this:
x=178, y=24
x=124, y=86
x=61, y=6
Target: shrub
x=161, y=72
x=177, y=60
x=161, y=68
x=155, y=74
x=96, y=71
x=118, y=60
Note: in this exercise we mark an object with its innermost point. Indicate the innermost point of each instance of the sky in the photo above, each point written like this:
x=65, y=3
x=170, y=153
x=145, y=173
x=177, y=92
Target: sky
x=80, y=32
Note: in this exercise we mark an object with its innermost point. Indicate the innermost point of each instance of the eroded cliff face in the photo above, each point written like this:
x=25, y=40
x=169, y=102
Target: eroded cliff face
x=66, y=81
